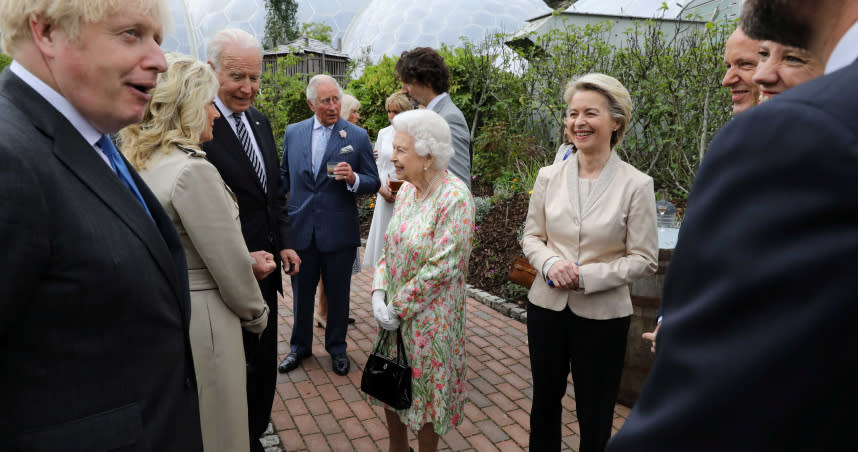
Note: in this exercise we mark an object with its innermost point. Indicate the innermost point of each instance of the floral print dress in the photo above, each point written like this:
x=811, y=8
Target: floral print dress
x=423, y=269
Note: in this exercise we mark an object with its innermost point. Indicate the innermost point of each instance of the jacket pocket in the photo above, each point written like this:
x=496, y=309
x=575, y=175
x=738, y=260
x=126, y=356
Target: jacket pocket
x=109, y=430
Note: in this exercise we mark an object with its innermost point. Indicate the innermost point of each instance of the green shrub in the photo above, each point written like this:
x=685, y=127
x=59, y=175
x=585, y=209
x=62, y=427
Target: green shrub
x=283, y=98
x=482, y=207
x=514, y=293
x=5, y=60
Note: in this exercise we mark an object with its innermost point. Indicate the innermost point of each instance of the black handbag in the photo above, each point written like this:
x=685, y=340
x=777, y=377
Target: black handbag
x=386, y=379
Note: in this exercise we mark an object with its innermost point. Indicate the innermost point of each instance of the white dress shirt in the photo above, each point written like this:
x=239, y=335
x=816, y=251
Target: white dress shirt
x=846, y=51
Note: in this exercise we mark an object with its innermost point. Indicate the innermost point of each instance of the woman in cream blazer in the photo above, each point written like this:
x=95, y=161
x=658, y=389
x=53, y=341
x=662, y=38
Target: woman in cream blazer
x=590, y=231
x=224, y=294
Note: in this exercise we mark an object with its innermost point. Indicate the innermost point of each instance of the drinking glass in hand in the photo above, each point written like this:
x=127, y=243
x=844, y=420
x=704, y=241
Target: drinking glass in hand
x=331, y=167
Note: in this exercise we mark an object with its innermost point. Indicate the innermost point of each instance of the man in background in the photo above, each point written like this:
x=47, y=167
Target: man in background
x=94, y=305
x=425, y=80
x=323, y=212
x=741, y=56
x=244, y=153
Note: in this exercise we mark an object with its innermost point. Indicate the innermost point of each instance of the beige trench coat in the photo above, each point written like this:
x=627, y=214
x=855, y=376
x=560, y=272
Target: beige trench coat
x=224, y=294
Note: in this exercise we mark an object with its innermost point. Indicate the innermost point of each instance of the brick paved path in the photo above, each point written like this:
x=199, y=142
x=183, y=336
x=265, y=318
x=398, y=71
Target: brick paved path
x=318, y=410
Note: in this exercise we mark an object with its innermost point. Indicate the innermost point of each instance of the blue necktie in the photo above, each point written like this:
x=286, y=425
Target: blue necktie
x=319, y=149
x=120, y=169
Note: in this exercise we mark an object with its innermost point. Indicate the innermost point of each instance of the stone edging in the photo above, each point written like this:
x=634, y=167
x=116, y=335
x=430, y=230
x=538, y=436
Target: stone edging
x=506, y=308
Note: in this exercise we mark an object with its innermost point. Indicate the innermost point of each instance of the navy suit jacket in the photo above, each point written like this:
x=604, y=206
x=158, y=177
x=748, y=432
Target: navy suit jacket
x=94, y=305
x=758, y=347
x=320, y=207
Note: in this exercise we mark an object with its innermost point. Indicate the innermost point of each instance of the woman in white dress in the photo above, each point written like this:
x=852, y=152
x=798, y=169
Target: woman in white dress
x=395, y=104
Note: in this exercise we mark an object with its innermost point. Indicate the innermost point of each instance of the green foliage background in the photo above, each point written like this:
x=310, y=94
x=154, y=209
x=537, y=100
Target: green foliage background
x=5, y=60
x=512, y=99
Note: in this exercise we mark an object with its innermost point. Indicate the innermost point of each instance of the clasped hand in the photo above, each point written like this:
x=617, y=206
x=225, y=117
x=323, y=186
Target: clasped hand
x=564, y=274
x=383, y=313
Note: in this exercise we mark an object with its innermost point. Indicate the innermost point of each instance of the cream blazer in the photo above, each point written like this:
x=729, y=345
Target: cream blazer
x=612, y=236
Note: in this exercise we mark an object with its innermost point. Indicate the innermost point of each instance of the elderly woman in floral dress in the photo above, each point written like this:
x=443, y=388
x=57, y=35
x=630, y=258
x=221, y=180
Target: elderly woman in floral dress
x=419, y=283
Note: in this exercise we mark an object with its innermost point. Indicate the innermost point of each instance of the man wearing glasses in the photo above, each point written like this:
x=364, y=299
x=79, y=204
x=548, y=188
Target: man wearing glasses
x=323, y=214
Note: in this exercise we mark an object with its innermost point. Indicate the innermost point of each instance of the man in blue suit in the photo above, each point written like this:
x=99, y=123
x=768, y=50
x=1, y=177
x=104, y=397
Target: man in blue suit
x=757, y=350
x=323, y=213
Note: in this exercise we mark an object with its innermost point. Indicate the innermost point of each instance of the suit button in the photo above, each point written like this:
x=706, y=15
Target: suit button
x=188, y=383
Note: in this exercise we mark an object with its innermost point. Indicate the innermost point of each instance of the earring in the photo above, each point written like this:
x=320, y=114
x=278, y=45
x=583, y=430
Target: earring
x=425, y=168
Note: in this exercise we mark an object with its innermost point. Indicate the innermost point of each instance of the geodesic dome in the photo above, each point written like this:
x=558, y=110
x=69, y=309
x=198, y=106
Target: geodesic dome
x=196, y=21
x=390, y=26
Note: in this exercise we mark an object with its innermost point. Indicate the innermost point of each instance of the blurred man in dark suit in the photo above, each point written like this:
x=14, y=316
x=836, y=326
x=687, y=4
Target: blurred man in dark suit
x=94, y=306
x=757, y=351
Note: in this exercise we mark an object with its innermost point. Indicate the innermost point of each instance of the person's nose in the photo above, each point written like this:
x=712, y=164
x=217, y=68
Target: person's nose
x=730, y=78
x=766, y=74
x=154, y=59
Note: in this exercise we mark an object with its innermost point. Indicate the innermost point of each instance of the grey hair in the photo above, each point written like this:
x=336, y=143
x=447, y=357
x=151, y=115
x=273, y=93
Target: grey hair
x=348, y=104
x=314, y=84
x=230, y=36
x=431, y=135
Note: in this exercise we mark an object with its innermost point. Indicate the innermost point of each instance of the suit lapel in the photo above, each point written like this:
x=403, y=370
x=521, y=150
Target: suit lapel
x=229, y=139
x=572, y=183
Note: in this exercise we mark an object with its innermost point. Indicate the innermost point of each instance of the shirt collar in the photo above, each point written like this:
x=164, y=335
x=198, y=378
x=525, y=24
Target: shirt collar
x=226, y=112
x=318, y=125
x=83, y=127
x=435, y=101
x=846, y=51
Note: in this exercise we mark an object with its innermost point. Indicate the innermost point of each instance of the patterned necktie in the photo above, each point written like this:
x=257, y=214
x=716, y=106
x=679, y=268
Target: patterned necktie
x=244, y=138
x=319, y=148
x=120, y=169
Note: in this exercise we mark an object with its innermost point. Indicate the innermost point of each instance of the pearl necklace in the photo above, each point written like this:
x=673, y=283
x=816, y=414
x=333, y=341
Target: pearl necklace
x=429, y=187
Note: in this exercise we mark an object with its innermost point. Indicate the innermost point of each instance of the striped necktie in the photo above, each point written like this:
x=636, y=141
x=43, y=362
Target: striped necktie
x=244, y=138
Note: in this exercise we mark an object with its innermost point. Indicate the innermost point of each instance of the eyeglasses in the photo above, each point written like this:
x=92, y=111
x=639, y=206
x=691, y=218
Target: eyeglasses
x=329, y=100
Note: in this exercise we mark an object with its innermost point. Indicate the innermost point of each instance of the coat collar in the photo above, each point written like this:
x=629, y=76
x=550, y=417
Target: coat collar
x=602, y=183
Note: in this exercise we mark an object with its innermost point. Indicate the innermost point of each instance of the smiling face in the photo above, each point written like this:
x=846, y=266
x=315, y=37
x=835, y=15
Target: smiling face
x=327, y=103
x=354, y=116
x=407, y=163
x=740, y=59
x=108, y=72
x=783, y=67
x=591, y=122
x=211, y=115
x=238, y=75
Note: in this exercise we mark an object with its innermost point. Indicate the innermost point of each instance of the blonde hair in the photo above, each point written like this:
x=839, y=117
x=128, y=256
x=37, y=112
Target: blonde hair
x=176, y=115
x=66, y=15
x=619, y=99
x=348, y=104
x=400, y=101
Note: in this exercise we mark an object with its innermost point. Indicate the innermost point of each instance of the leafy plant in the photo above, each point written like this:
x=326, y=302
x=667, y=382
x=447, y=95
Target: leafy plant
x=5, y=60
x=283, y=98
x=482, y=207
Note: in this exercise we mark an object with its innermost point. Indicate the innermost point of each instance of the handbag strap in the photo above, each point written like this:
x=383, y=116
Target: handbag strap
x=401, y=357
x=400, y=347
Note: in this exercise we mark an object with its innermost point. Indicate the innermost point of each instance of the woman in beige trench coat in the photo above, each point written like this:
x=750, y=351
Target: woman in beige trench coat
x=225, y=298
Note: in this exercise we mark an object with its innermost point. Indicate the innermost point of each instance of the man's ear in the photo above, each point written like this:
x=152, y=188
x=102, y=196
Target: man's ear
x=44, y=35
x=310, y=104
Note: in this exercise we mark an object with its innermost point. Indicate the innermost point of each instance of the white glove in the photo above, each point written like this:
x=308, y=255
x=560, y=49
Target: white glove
x=382, y=312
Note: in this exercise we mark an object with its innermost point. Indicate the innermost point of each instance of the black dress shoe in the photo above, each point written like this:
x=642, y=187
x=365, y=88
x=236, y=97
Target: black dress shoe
x=290, y=362
x=340, y=363
x=351, y=320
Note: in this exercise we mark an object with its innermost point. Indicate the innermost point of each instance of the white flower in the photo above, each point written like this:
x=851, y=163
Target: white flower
x=343, y=133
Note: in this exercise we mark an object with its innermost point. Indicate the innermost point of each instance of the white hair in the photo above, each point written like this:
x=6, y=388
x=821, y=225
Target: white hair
x=314, y=84
x=348, y=104
x=431, y=135
x=230, y=36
